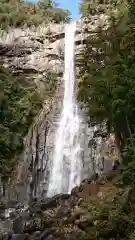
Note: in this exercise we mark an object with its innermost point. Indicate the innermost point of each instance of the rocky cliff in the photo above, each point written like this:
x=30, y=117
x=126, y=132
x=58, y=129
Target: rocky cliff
x=38, y=53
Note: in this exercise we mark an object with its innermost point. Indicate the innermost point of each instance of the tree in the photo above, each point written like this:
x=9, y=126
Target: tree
x=98, y=80
x=107, y=83
x=19, y=103
x=19, y=12
x=107, y=87
x=46, y=4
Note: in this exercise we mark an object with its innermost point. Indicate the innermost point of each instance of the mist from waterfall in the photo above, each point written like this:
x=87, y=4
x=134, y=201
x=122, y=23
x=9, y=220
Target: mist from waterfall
x=67, y=163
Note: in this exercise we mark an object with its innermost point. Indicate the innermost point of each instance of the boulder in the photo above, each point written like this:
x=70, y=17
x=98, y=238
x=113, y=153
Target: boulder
x=46, y=233
x=7, y=235
x=50, y=237
x=20, y=236
x=11, y=203
x=33, y=227
x=18, y=225
x=48, y=203
x=63, y=211
x=35, y=236
x=75, y=191
x=6, y=225
x=2, y=207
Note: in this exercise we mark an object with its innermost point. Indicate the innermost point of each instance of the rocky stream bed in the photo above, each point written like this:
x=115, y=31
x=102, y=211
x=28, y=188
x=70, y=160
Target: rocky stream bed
x=64, y=216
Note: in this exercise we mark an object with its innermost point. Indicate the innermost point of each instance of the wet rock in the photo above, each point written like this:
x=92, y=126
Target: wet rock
x=33, y=200
x=19, y=206
x=20, y=236
x=48, y=221
x=50, y=237
x=6, y=225
x=25, y=215
x=13, y=214
x=74, y=217
x=35, y=236
x=18, y=225
x=94, y=177
x=11, y=204
x=92, y=143
x=48, y=203
x=75, y=191
x=116, y=165
x=110, y=175
x=54, y=200
x=63, y=211
x=7, y=235
x=36, y=208
x=2, y=216
x=46, y=233
x=2, y=207
x=32, y=228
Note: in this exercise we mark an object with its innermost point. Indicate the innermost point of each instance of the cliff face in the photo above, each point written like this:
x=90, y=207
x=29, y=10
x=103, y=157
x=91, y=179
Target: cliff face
x=38, y=53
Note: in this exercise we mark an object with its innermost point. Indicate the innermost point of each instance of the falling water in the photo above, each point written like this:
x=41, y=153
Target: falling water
x=67, y=163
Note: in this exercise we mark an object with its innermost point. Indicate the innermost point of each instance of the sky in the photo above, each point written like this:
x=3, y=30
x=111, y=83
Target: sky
x=71, y=5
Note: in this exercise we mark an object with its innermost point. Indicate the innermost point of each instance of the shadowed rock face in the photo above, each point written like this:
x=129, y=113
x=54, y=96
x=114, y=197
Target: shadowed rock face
x=37, y=53
x=32, y=175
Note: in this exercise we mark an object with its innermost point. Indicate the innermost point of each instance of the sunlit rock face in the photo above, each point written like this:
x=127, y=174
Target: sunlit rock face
x=37, y=53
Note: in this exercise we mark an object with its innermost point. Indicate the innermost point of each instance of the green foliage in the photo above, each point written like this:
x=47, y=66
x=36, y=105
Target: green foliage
x=128, y=164
x=107, y=87
x=46, y=4
x=16, y=13
x=19, y=103
x=114, y=220
x=107, y=83
x=90, y=7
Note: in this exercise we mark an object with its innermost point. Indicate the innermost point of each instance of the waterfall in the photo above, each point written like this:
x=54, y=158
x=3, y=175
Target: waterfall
x=67, y=163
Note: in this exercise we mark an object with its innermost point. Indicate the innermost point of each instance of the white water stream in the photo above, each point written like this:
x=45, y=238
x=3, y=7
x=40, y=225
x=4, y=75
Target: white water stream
x=67, y=163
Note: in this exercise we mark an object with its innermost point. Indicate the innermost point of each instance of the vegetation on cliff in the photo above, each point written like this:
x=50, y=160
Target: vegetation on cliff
x=19, y=103
x=17, y=13
x=107, y=83
x=20, y=100
x=107, y=86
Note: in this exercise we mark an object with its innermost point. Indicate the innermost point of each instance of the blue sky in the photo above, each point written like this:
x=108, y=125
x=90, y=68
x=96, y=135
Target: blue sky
x=71, y=5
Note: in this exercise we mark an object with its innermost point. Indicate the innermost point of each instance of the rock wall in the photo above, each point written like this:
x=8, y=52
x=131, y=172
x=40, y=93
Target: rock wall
x=99, y=152
x=38, y=53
